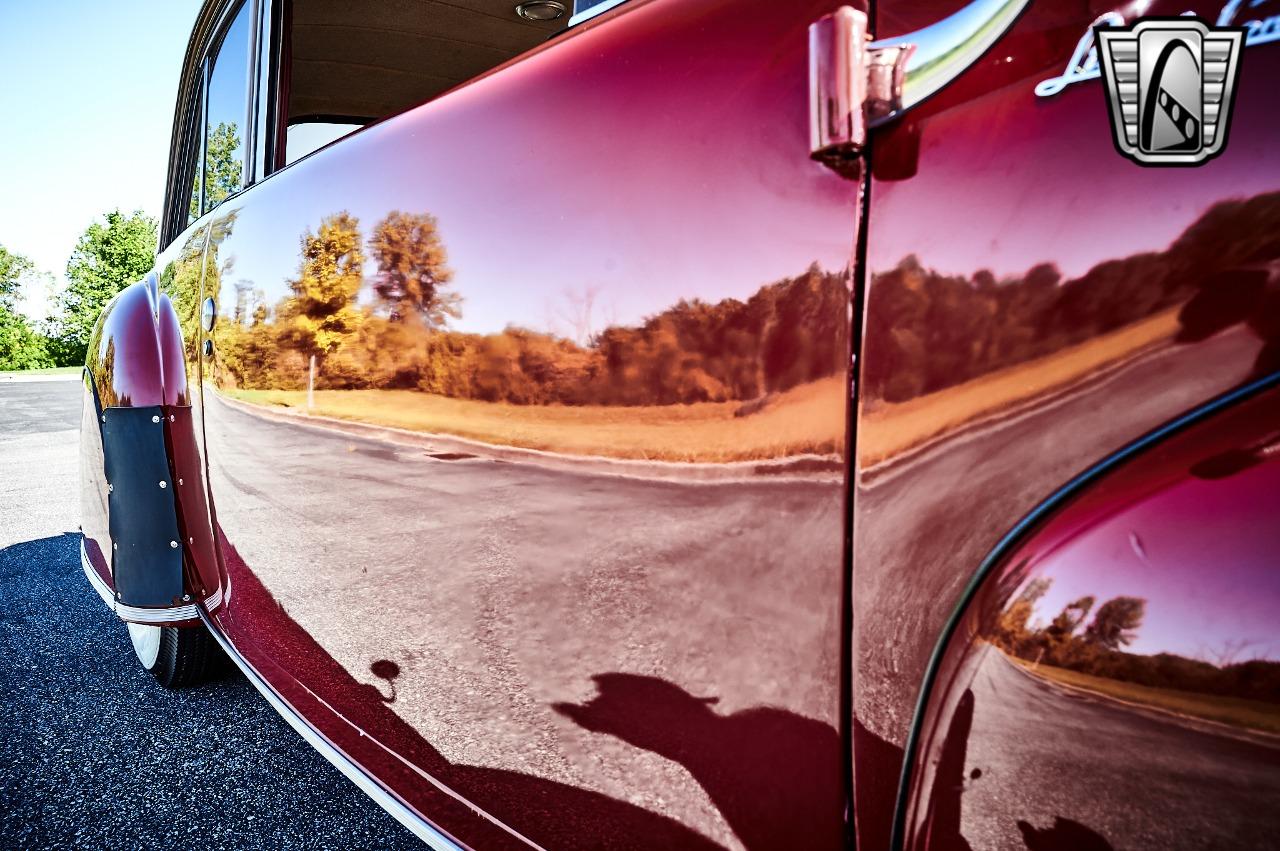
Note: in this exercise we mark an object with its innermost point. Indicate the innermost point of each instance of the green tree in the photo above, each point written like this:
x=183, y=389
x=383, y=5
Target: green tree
x=1117, y=622
x=20, y=346
x=1069, y=619
x=321, y=315
x=412, y=271
x=1011, y=628
x=223, y=168
x=107, y=258
x=13, y=268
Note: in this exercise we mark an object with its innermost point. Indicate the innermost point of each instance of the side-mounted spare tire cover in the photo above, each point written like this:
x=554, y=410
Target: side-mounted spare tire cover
x=147, y=556
x=136, y=384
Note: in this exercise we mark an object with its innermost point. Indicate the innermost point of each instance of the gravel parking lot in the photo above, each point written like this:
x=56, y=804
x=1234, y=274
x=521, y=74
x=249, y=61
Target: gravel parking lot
x=94, y=753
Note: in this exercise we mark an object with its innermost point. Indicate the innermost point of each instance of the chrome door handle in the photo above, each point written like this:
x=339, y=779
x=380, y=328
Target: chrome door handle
x=855, y=84
x=943, y=51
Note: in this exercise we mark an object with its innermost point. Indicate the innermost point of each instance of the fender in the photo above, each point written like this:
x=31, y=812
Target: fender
x=147, y=548
x=1142, y=597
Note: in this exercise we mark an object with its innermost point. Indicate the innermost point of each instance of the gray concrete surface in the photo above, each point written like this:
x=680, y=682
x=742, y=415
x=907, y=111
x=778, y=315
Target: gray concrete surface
x=93, y=752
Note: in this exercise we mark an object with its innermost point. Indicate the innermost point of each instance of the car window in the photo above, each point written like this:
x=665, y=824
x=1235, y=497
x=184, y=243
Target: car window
x=586, y=9
x=226, y=111
x=303, y=137
x=193, y=155
x=348, y=64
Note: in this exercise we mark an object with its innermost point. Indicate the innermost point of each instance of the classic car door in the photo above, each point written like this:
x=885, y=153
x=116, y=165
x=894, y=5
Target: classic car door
x=526, y=423
x=1035, y=302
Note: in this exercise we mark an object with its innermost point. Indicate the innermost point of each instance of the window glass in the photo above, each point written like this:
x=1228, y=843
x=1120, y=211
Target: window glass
x=305, y=137
x=264, y=107
x=226, y=112
x=348, y=63
x=584, y=9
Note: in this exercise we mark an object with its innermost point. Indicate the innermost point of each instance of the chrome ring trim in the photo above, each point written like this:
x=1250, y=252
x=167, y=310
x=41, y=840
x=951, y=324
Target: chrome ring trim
x=137, y=614
x=414, y=823
x=95, y=581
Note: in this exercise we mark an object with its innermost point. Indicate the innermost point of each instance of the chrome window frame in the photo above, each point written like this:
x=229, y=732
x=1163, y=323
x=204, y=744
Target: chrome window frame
x=593, y=11
x=190, y=113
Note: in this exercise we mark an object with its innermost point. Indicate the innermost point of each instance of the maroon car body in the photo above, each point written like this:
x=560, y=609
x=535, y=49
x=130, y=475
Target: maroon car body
x=576, y=461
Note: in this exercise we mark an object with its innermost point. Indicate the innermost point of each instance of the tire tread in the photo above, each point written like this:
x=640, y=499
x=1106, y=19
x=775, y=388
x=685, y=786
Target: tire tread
x=188, y=656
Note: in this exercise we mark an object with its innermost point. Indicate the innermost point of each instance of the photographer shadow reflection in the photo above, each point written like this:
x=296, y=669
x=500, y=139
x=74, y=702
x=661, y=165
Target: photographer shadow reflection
x=774, y=775
x=1063, y=835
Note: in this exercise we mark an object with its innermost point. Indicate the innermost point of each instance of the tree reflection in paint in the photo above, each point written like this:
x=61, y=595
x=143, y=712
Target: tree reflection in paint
x=387, y=328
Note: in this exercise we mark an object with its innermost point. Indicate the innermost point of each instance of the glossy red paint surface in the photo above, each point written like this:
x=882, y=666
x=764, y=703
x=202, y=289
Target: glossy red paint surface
x=173, y=369
x=591, y=593
x=1034, y=302
x=558, y=555
x=124, y=352
x=124, y=369
x=194, y=521
x=1160, y=734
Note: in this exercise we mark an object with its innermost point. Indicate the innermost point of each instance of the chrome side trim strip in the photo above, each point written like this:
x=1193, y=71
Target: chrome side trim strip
x=433, y=837
x=598, y=9
x=95, y=581
x=213, y=600
x=946, y=49
x=137, y=614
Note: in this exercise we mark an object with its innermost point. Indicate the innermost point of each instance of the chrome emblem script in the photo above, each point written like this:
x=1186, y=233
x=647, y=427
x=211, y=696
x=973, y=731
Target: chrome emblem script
x=1170, y=82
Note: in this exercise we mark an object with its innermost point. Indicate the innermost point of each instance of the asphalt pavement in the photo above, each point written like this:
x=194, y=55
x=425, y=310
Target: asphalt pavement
x=93, y=752
x=1055, y=768
x=912, y=532
x=501, y=592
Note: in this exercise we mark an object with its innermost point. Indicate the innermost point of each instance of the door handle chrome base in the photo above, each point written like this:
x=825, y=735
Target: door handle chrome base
x=856, y=84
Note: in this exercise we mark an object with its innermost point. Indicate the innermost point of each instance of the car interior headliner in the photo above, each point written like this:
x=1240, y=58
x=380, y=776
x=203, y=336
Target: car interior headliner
x=369, y=60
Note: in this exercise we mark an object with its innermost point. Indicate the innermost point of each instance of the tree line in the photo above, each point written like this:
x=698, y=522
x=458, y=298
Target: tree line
x=934, y=330
x=787, y=333
x=1097, y=647
x=110, y=255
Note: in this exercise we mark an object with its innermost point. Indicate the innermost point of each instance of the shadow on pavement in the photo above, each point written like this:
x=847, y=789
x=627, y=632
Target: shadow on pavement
x=1065, y=835
x=552, y=814
x=774, y=775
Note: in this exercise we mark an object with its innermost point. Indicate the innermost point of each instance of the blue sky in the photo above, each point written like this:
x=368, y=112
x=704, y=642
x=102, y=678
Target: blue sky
x=87, y=105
